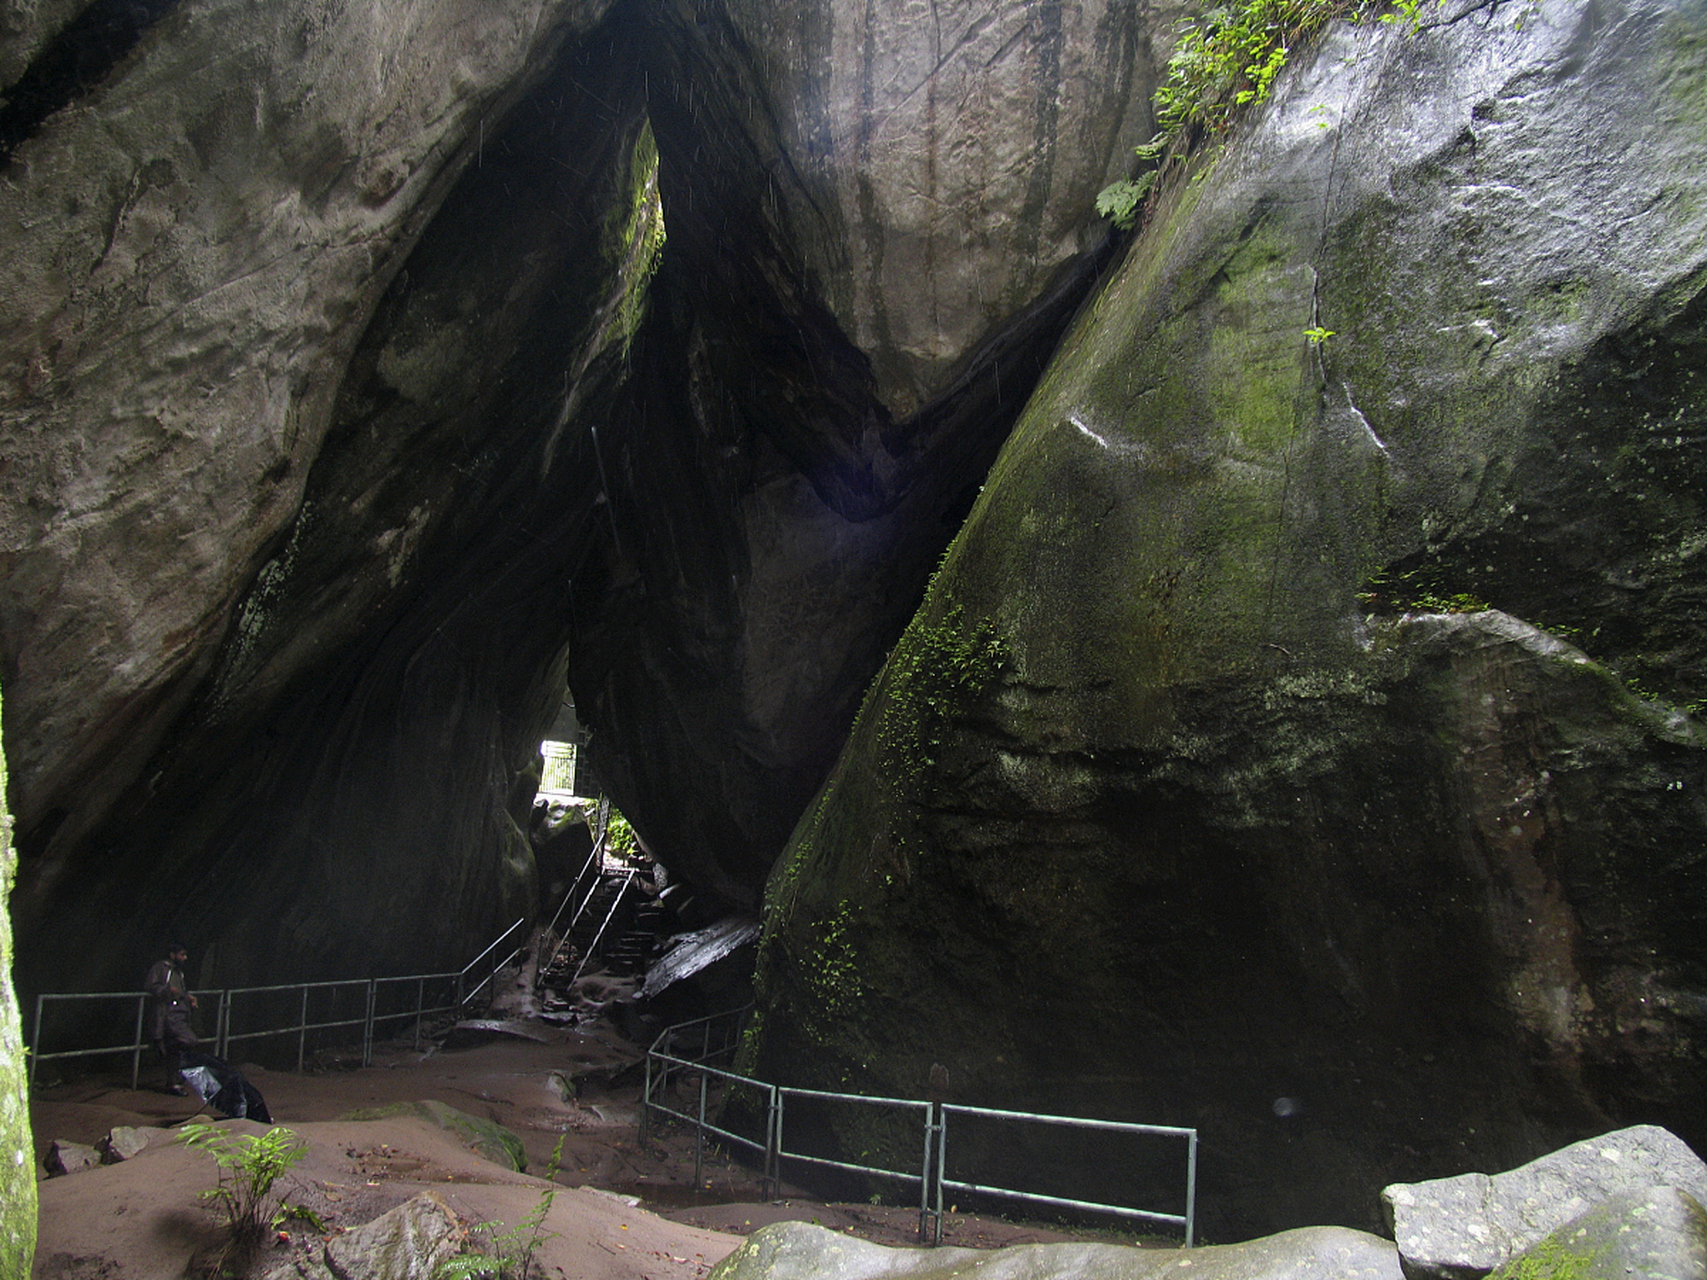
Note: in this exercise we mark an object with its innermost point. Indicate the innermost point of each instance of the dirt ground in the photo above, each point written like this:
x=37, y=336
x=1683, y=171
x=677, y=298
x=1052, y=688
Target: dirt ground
x=625, y=1209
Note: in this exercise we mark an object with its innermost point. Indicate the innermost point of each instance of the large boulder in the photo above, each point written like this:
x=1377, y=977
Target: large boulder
x=1468, y=1225
x=1301, y=739
x=801, y=1251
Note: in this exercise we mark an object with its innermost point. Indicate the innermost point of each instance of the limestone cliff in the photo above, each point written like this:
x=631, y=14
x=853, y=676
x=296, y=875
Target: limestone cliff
x=1301, y=740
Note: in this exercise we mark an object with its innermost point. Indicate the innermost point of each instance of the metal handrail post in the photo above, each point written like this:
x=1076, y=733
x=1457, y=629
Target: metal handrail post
x=302, y=1031
x=136, y=1053
x=420, y=1004
x=222, y=1023
x=367, y=1025
x=699, y=1135
x=774, y=1143
x=1190, y=1187
x=932, y=1115
x=35, y=1042
x=941, y=1171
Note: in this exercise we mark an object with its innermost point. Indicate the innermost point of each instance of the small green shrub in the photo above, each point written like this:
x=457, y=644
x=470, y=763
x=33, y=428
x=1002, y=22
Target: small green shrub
x=249, y=1165
x=620, y=840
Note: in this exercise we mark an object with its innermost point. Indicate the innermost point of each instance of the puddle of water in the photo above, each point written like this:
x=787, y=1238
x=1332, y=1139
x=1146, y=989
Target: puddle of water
x=659, y=1195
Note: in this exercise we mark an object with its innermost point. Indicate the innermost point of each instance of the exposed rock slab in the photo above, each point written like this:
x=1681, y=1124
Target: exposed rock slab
x=1467, y=1226
x=801, y=1251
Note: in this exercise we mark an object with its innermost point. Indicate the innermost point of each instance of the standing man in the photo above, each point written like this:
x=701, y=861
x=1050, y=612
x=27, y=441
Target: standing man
x=172, y=1005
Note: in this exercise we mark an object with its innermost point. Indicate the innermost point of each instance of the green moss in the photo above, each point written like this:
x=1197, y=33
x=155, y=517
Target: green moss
x=634, y=237
x=1549, y=1259
x=489, y=1138
x=935, y=671
x=1421, y=590
x=17, y=1167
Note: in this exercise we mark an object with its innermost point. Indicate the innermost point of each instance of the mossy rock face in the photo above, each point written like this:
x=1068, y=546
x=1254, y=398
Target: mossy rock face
x=1328, y=772
x=17, y=1163
x=1659, y=1233
x=488, y=1137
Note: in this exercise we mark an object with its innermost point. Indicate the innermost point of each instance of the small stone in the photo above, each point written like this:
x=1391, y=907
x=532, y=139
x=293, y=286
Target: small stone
x=412, y=1240
x=69, y=1157
x=121, y=1144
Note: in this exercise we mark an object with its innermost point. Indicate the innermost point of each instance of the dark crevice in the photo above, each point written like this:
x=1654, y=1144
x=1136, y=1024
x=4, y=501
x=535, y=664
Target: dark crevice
x=73, y=64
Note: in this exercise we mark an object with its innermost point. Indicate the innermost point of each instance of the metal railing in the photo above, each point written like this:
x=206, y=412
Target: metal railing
x=361, y=1000
x=932, y=1177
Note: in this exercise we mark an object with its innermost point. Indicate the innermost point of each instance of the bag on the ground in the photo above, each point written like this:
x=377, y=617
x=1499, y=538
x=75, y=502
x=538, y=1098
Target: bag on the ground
x=222, y=1086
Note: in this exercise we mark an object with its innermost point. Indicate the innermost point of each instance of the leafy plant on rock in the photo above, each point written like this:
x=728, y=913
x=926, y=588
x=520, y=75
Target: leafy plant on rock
x=1226, y=60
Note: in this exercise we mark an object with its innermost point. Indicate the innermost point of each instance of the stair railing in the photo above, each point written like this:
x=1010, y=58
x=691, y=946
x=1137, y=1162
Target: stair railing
x=595, y=860
x=593, y=946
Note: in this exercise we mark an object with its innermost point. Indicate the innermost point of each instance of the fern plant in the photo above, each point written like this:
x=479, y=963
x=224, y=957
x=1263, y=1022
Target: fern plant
x=249, y=1166
x=509, y=1252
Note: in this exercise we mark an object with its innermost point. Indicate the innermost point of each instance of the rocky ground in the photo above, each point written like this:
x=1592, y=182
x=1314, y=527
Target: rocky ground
x=625, y=1209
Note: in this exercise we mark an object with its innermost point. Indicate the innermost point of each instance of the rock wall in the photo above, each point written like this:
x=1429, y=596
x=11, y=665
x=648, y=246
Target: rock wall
x=1302, y=740
x=193, y=250
x=351, y=410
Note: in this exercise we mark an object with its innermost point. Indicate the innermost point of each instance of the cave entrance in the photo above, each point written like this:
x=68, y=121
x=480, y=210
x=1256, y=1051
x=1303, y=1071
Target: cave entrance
x=618, y=929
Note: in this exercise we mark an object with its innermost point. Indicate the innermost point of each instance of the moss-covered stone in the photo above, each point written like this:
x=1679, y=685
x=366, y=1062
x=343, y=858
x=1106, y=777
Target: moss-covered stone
x=1661, y=1231
x=17, y=1168
x=488, y=1137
